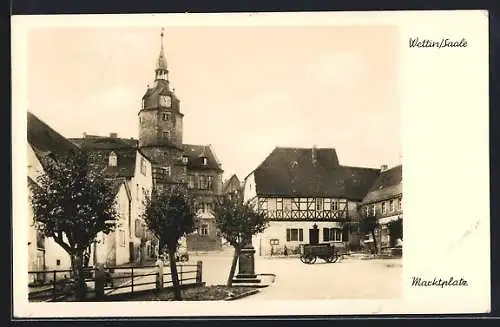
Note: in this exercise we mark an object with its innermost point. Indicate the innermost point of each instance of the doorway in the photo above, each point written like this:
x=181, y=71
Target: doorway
x=314, y=235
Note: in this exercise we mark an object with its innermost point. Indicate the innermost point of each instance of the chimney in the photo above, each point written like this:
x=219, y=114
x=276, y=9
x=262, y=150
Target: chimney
x=84, y=135
x=113, y=135
x=313, y=155
x=383, y=168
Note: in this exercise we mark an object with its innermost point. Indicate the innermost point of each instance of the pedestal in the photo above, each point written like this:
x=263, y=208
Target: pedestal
x=246, y=267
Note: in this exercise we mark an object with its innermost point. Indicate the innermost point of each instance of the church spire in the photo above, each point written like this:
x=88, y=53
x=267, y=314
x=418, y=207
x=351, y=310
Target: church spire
x=161, y=65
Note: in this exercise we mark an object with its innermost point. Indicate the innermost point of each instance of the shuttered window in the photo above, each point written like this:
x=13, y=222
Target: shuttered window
x=294, y=234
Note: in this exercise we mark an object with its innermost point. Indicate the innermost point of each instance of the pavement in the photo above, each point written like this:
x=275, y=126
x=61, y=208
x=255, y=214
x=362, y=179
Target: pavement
x=349, y=278
x=290, y=279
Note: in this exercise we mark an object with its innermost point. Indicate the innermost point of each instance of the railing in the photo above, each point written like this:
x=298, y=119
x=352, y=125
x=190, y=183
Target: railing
x=53, y=285
x=103, y=282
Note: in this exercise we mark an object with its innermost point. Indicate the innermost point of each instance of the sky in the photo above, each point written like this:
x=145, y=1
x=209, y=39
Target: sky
x=244, y=90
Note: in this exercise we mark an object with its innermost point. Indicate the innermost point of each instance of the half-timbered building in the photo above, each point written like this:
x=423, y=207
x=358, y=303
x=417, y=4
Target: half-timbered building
x=308, y=197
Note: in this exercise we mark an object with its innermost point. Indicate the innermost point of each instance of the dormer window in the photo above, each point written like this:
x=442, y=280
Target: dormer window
x=112, y=159
x=166, y=135
x=185, y=160
x=166, y=116
x=204, y=161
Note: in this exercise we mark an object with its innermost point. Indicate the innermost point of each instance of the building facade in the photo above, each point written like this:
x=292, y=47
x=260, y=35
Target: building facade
x=384, y=202
x=131, y=172
x=308, y=197
x=175, y=163
x=43, y=142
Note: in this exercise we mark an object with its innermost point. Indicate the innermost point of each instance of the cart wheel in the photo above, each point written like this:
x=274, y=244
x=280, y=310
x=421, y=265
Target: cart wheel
x=310, y=260
x=332, y=259
x=303, y=259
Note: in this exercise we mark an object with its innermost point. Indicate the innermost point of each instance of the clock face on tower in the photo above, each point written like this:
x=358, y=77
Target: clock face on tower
x=165, y=101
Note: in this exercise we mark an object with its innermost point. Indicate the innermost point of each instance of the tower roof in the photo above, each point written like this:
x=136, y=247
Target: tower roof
x=161, y=64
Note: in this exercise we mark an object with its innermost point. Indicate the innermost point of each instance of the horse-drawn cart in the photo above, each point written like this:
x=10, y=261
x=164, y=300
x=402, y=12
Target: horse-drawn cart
x=310, y=252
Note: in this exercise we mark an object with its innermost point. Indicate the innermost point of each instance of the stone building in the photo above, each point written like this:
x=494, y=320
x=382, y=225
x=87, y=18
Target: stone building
x=384, y=202
x=308, y=197
x=176, y=163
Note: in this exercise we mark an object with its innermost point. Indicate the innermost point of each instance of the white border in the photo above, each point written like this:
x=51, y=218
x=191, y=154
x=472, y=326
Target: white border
x=444, y=101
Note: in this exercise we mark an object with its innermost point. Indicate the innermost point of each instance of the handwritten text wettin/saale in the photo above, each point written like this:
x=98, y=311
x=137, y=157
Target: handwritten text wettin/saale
x=438, y=282
x=443, y=43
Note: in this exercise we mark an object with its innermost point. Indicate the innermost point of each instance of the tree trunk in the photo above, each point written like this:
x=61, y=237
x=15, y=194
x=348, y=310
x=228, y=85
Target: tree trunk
x=375, y=250
x=233, y=266
x=79, y=287
x=173, y=272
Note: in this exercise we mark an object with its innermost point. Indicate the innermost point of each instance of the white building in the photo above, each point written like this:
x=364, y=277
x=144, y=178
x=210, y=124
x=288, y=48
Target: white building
x=120, y=160
x=308, y=197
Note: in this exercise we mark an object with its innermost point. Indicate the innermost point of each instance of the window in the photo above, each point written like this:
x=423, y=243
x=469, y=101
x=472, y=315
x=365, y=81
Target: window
x=143, y=104
x=332, y=235
x=166, y=135
x=335, y=205
x=167, y=171
x=166, y=116
x=279, y=204
x=121, y=238
x=383, y=208
x=373, y=210
x=58, y=262
x=202, y=182
x=209, y=181
x=143, y=166
x=204, y=229
x=191, y=181
x=112, y=160
x=399, y=203
x=204, y=161
x=137, y=192
x=294, y=235
x=40, y=240
x=319, y=204
x=327, y=204
x=205, y=182
x=303, y=204
x=391, y=205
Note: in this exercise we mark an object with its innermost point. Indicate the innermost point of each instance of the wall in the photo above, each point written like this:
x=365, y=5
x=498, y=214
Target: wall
x=249, y=191
x=136, y=184
x=121, y=237
x=277, y=230
x=212, y=241
x=151, y=126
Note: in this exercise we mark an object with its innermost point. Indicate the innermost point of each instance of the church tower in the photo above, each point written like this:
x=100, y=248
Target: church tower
x=160, y=127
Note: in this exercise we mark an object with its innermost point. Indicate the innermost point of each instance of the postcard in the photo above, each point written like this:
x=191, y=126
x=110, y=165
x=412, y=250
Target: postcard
x=250, y=164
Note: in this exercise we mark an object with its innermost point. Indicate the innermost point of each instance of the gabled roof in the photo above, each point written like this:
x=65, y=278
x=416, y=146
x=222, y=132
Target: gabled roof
x=195, y=153
x=44, y=140
x=388, y=185
x=233, y=180
x=117, y=183
x=100, y=147
x=291, y=172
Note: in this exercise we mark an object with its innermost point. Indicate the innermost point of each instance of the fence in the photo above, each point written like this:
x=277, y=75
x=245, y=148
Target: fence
x=105, y=282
